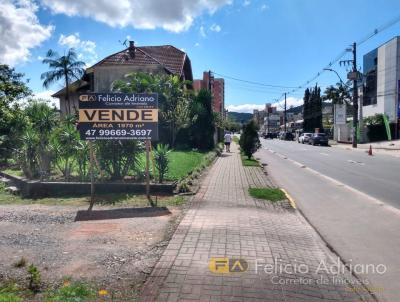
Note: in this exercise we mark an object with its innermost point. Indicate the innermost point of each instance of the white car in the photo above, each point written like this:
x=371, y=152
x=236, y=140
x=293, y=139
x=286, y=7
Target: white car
x=304, y=138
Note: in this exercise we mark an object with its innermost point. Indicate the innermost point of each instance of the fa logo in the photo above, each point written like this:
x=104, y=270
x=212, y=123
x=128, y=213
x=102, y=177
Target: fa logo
x=87, y=98
x=225, y=265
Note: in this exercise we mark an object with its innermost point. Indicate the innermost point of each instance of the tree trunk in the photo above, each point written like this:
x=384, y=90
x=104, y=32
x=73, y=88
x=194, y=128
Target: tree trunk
x=67, y=102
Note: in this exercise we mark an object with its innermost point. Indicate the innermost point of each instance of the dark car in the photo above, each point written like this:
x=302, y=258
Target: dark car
x=270, y=135
x=287, y=136
x=318, y=139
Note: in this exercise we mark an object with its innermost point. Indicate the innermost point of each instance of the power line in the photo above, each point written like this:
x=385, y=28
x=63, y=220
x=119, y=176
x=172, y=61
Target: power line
x=379, y=29
x=251, y=82
x=341, y=55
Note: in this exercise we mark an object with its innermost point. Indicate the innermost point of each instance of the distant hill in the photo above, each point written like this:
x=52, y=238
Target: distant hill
x=240, y=117
x=299, y=109
x=296, y=110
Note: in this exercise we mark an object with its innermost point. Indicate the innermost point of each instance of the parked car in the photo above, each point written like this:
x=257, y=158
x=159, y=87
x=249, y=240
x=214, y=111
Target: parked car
x=270, y=135
x=318, y=139
x=304, y=138
x=287, y=136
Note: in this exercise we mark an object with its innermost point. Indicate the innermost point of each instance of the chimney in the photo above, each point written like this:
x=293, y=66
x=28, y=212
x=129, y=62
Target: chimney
x=132, y=49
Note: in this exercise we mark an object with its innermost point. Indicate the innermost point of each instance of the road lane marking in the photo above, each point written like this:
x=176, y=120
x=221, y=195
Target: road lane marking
x=322, y=153
x=372, y=199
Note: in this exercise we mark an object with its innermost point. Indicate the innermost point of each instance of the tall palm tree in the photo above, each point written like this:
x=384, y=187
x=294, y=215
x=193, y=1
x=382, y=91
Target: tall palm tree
x=338, y=95
x=66, y=67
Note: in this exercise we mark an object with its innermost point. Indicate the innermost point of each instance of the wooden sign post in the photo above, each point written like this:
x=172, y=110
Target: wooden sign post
x=148, y=170
x=91, y=157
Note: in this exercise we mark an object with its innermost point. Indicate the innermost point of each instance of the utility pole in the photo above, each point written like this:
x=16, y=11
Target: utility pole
x=355, y=96
x=284, y=115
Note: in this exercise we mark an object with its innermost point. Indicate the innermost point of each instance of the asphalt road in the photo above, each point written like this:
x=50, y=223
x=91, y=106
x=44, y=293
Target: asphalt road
x=350, y=199
x=377, y=176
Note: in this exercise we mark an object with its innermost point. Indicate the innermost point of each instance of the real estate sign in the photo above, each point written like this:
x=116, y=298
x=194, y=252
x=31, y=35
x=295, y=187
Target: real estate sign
x=118, y=116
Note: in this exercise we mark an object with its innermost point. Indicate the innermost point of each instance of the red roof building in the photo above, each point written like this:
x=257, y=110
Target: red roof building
x=164, y=59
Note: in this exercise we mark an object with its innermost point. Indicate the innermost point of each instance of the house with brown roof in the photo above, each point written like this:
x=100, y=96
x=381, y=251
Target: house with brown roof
x=164, y=59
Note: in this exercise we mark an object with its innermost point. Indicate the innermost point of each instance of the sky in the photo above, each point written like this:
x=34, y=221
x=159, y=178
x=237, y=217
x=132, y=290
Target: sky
x=282, y=43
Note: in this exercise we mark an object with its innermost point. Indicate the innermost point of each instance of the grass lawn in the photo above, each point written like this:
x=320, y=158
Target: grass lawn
x=249, y=162
x=271, y=194
x=182, y=162
x=14, y=172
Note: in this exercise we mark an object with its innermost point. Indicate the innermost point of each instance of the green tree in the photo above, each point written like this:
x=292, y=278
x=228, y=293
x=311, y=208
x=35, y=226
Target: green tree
x=203, y=120
x=312, y=110
x=64, y=142
x=249, y=141
x=66, y=68
x=42, y=119
x=12, y=90
x=338, y=95
x=174, y=98
x=27, y=153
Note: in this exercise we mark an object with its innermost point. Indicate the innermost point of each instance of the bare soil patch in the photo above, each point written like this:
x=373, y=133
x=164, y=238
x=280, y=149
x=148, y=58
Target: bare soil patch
x=114, y=254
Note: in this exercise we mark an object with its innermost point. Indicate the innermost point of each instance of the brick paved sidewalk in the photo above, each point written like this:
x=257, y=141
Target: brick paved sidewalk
x=224, y=221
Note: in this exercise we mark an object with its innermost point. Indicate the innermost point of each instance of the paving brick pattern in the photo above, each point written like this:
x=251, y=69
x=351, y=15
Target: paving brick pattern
x=224, y=221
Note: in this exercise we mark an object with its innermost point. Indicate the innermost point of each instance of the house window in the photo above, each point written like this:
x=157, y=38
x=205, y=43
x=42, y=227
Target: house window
x=370, y=90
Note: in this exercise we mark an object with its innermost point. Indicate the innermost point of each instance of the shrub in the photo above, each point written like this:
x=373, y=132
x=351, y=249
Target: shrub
x=64, y=142
x=249, y=141
x=34, y=278
x=27, y=154
x=162, y=161
x=117, y=158
x=183, y=187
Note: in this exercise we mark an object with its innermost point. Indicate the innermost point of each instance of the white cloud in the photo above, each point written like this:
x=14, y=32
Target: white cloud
x=202, y=31
x=20, y=31
x=177, y=16
x=86, y=48
x=264, y=7
x=246, y=2
x=215, y=27
x=290, y=101
x=197, y=44
x=248, y=108
x=47, y=96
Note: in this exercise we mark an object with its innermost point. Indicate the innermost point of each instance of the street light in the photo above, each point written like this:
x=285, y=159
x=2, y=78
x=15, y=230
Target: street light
x=341, y=81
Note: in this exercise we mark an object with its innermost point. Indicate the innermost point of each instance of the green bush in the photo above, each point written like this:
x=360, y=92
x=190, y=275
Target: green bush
x=117, y=158
x=249, y=141
x=162, y=160
x=34, y=278
x=9, y=297
x=75, y=292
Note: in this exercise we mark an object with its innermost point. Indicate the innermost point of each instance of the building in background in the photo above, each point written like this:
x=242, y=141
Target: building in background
x=272, y=119
x=217, y=88
x=381, y=68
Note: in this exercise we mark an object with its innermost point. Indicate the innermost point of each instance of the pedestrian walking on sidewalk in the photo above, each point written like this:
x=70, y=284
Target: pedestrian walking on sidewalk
x=228, y=140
